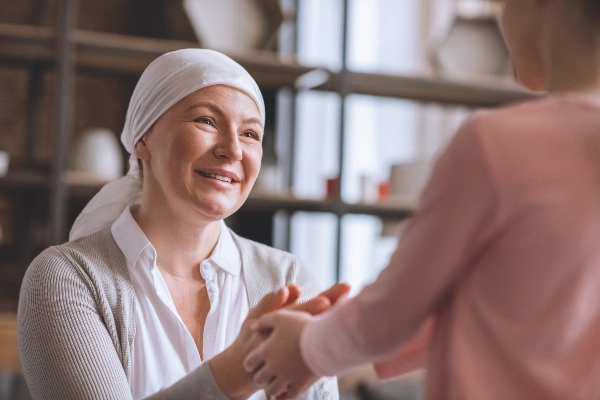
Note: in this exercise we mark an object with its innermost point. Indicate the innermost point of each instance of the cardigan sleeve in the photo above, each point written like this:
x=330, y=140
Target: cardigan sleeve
x=66, y=351
x=65, y=348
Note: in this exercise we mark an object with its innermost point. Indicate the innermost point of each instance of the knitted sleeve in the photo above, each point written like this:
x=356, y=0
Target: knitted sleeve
x=66, y=351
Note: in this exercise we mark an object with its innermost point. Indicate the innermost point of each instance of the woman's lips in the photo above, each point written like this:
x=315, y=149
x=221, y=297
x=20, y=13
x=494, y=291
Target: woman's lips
x=222, y=178
x=217, y=177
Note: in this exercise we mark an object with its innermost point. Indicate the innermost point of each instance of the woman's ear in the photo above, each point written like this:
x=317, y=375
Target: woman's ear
x=141, y=150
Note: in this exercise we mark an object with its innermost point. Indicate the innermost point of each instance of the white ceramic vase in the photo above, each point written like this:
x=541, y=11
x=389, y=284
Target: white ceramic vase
x=99, y=154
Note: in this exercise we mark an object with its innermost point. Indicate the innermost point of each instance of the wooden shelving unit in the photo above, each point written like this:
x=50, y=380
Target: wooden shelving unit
x=69, y=51
x=123, y=54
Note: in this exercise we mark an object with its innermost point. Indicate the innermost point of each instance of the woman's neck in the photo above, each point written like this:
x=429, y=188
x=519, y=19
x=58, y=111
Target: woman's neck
x=180, y=242
x=571, y=45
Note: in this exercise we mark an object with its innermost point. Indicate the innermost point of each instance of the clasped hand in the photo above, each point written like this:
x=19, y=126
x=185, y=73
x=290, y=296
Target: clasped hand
x=266, y=353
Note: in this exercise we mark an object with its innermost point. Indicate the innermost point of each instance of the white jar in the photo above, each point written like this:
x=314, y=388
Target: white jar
x=99, y=154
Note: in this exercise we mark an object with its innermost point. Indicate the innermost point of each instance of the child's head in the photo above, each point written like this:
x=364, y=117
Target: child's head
x=535, y=28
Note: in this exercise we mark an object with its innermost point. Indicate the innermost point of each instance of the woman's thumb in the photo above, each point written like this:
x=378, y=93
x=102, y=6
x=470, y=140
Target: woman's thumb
x=271, y=302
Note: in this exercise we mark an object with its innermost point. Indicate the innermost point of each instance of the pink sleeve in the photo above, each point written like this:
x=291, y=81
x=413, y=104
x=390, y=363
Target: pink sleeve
x=455, y=217
x=410, y=357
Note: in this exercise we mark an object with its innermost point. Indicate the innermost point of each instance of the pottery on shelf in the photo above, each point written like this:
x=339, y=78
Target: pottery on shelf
x=98, y=154
x=473, y=47
x=235, y=25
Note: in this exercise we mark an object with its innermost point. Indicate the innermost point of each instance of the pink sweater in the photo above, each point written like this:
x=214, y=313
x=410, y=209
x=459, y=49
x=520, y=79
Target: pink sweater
x=504, y=253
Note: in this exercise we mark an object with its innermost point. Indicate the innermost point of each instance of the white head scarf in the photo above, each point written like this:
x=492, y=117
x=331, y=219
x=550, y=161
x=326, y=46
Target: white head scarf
x=168, y=79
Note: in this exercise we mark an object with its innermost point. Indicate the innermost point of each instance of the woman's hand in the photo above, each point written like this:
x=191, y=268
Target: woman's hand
x=227, y=367
x=277, y=363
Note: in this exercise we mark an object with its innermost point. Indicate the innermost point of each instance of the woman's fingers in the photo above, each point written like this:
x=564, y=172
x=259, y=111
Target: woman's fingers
x=264, y=377
x=337, y=292
x=314, y=306
x=256, y=357
x=254, y=360
x=294, y=294
x=271, y=302
x=276, y=387
x=324, y=301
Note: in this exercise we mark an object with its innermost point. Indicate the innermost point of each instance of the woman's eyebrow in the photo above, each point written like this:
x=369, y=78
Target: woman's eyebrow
x=253, y=121
x=207, y=105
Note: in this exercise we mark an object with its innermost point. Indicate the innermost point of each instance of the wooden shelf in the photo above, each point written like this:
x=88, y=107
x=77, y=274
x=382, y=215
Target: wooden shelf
x=130, y=55
x=486, y=93
x=269, y=202
x=396, y=210
x=24, y=180
x=26, y=43
x=273, y=202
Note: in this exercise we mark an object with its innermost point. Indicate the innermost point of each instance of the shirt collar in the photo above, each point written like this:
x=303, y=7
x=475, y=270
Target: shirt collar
x=226, y=254
x=130, y=238
x=132, y=241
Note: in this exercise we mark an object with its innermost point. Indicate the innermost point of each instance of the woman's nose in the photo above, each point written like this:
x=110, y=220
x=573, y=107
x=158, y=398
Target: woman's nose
x=229, y=146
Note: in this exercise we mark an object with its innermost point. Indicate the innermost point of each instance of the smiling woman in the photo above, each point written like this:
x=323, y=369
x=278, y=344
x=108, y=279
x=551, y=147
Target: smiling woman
x=203, y=155
x=153, y=296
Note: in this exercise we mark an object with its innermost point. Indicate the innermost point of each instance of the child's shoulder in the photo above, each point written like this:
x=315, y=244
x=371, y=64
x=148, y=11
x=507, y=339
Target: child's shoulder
x=541, y=115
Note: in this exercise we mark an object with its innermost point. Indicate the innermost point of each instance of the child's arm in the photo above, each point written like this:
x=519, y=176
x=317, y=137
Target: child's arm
x=458, y=215
x=412, y=356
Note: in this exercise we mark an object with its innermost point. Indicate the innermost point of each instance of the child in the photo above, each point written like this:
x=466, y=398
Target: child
x=503, y=252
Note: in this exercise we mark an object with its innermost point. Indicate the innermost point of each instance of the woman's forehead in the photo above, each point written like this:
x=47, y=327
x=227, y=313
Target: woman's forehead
x=223, y=98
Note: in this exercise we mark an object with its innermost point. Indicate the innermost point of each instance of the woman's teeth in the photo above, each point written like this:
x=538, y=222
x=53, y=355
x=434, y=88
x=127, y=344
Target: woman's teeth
x=218, y=177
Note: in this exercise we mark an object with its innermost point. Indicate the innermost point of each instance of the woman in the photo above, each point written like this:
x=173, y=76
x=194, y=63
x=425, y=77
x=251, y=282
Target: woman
x=503, y=251
x=153, y=283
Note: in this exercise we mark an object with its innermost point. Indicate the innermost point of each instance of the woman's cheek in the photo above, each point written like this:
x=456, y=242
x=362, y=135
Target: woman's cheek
x=254, y=157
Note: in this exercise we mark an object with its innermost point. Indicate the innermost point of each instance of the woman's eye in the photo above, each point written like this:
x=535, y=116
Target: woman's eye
x=203, y=120
x=251, y=135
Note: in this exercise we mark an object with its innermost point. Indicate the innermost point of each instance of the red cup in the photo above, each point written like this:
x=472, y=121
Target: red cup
x=333, y=188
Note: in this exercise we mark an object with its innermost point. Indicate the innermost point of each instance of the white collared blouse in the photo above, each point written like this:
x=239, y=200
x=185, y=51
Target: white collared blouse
x=163, y=350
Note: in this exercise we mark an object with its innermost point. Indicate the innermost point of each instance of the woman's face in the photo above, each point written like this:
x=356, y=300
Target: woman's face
x=204, y=153
x=521, y=27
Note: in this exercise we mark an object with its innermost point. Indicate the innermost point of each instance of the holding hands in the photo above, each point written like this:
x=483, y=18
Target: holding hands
x=276, y=363
x=261, y=330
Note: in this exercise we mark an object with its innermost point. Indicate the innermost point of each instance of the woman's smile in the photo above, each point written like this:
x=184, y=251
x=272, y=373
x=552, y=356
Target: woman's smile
x=221, y=178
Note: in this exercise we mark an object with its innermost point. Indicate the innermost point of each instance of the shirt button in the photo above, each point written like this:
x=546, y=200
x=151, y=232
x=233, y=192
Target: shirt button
x=211, y=337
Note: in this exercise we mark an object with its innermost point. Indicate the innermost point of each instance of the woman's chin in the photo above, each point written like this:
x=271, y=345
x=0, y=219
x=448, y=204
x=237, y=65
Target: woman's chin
x=217, y=209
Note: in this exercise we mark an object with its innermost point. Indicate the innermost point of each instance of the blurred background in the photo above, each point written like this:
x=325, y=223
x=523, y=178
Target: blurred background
x=361, y=95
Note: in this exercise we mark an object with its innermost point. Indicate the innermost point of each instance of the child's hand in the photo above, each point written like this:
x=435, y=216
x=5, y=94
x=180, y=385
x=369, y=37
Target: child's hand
x=277, y=363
